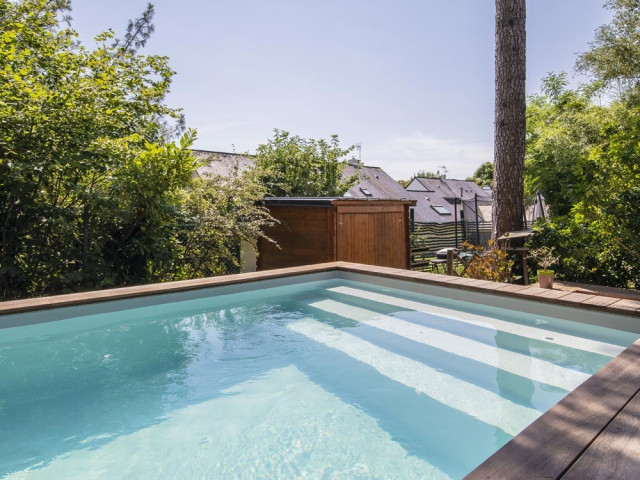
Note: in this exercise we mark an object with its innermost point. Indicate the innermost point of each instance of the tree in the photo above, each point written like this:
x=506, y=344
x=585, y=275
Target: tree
x=510, y=115
x=563, y=126
x=614, y=57
x=220, y=215
x=584, y=157
x=483, y=175
x=94, y=192
x=291, y=166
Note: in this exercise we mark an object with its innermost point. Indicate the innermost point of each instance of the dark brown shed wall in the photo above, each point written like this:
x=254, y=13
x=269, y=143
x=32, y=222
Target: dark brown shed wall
x=302, y=234
x=371, y=232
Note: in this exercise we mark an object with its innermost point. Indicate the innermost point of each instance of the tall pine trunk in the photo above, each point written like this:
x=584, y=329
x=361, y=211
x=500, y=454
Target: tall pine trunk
x=510, y=116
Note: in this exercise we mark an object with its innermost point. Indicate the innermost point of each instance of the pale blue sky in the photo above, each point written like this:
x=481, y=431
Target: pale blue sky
x=411, y=80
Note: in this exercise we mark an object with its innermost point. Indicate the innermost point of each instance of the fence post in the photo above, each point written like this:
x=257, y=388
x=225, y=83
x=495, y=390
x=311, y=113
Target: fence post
x=449, y=262
x=477, y=227
x=455, y=217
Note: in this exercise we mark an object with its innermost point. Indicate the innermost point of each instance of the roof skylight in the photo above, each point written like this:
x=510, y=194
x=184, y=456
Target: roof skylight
x=441, y=210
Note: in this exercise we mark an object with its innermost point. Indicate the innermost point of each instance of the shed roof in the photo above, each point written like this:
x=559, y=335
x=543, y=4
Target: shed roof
x=326, y=201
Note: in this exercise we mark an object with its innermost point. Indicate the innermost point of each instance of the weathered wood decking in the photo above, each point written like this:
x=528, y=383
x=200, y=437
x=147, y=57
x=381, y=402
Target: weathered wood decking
x=593, y=433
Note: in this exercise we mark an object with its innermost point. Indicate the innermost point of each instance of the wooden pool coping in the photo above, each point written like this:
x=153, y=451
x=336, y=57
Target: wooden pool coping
x=594, y=432
x=557, y=297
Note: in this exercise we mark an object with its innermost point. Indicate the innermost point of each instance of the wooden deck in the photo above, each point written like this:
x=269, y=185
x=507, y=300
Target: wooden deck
x=597, y=290
x=593, y=433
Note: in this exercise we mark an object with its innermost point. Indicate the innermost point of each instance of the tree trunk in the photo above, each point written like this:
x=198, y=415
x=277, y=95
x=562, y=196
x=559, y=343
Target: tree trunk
x=510, y=116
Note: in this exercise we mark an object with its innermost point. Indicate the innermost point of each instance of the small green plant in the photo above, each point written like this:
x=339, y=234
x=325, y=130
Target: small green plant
x=544, y=256
x=491, y=264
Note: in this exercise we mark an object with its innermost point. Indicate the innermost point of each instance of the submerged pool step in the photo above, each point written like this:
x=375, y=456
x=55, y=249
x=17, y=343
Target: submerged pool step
x=513, y=362
x=534, y=333
x=468, y=398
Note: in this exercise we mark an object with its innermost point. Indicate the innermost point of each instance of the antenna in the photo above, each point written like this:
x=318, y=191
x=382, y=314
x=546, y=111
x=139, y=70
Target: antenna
x=444, y=169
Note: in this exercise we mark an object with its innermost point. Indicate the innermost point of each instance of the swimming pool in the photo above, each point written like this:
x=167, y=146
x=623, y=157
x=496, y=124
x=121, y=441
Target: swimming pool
x=321, y=378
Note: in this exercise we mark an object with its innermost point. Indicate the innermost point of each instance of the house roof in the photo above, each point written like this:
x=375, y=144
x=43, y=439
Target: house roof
x=221, y=163
x=436, y=199
x=449, y=188
x=373, y=182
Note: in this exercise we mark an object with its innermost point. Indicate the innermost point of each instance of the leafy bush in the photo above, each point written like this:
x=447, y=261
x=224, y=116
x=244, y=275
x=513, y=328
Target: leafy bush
x=586, y=255
x=491, y=264
x=291, y=166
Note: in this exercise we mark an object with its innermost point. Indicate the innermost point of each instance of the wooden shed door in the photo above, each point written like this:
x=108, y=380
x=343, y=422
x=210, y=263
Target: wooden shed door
x=374, y=239
x=355, y=240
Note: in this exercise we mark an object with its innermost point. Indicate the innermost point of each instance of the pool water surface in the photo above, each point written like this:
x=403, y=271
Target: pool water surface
x=328, y=379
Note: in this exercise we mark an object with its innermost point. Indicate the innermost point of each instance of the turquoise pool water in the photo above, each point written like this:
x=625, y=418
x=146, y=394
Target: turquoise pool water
x=330, y=379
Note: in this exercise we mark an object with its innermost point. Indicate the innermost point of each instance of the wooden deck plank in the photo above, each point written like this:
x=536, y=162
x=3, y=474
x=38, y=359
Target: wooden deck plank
x=476, y=283
x=624, y=305
x=553, y=294
x=599, y=290
x=499, y=286
x=513, y=288
x=601, y=301
x=464, y=281
x=532, y=291
x=550, y=445
x=578, y=297
x=484, y=284
x=616, y=452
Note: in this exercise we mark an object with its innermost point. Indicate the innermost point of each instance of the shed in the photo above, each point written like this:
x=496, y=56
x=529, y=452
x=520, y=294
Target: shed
x=317, y=230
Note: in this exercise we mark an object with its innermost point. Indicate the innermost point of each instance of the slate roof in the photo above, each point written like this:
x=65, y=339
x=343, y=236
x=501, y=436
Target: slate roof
x=439, y=194
x=375, y=181
x=449, y=188
x=221, y=163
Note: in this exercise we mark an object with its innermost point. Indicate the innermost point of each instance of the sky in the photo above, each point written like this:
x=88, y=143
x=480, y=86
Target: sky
x=412, y=81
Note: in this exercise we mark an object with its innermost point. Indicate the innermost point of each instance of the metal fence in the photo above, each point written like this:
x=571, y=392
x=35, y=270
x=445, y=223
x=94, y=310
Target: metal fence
x=436, y=236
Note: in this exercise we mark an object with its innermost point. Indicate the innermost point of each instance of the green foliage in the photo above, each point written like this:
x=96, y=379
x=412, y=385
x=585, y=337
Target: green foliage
x=483, y=175
x=545, y=257
x=220, y=214
x=586, y=256
x=291, y=166
x=563, y=127
x=584, y=157
x=92, y=189
x=613, y=57
x=492, y=264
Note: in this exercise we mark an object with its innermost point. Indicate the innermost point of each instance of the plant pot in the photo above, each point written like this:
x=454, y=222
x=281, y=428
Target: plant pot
x=545, y=278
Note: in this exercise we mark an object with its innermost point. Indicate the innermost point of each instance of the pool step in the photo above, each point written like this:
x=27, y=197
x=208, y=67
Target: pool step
x=513, y=362
x=466, y=397
x=534, y=333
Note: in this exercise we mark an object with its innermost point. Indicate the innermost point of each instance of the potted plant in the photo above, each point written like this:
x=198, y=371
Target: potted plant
x=544, y=255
